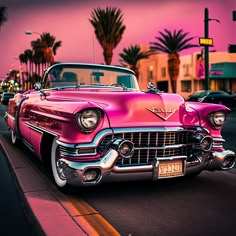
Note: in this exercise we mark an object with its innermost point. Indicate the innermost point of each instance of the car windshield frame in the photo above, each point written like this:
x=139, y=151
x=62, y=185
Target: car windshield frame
x=79, y=75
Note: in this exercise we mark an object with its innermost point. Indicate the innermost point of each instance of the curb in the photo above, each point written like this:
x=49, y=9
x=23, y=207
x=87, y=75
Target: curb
x=49, y=211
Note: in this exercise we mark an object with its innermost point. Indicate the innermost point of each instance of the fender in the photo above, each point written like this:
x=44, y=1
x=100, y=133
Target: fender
x=16, y=120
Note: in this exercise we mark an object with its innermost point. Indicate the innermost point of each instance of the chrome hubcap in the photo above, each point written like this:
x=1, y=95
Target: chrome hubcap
x=59, y=168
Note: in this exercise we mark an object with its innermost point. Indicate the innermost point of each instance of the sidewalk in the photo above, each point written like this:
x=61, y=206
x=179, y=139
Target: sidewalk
x=51, y=212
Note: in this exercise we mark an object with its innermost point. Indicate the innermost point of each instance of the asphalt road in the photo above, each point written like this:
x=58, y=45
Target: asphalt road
x=204, y=206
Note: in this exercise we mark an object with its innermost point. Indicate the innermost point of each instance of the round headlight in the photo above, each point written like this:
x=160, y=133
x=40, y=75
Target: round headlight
x=88, y=119
x=218, y=118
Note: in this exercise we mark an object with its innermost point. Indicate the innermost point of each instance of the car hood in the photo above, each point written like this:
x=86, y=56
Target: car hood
x=128, y=108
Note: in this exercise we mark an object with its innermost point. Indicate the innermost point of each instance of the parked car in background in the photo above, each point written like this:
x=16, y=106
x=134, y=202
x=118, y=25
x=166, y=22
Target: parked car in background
x=6, y=96
x=210, y=96
x=92, y=124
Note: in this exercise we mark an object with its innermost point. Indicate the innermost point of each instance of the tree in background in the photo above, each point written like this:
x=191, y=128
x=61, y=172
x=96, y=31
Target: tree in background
x=3, y=15
x=109, y=28
x=45, y=48
x=132, y=55
x=29, y=66
x=23, y=61
x=172, y=43
x=39, y=57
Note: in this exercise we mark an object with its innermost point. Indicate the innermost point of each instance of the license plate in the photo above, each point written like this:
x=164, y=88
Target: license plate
x=170, y=168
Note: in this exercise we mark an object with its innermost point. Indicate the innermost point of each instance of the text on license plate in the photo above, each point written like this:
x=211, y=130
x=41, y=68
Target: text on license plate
x=170, y=168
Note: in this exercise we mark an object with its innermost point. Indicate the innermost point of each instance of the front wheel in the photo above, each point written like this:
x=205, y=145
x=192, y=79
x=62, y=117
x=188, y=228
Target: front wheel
x=57, y=170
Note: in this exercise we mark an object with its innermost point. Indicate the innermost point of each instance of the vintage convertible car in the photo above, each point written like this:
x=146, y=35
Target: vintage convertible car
x=92, y=124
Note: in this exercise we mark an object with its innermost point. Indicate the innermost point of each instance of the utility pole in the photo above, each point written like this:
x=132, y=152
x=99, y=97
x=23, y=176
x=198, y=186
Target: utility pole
x=206, y=49
x=207, y=42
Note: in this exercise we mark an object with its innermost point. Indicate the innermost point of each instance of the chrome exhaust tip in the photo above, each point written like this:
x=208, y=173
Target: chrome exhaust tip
x=222, y=160
x=228, y=163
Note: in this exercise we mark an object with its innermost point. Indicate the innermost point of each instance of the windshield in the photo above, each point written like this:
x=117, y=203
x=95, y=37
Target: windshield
x=82, y=75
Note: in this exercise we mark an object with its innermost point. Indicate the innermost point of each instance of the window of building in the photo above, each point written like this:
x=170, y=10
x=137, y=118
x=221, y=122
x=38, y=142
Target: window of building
x=186, y=68
x=186, y=86
x=150, y=73
x=163, y=72
x=162, y=85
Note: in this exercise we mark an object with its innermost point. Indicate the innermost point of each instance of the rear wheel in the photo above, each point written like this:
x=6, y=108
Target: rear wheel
x=57, y=170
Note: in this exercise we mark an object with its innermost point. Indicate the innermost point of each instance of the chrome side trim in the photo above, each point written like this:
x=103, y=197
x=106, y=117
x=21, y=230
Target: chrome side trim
x=218, y=142
x=28, y=145
x=38, y=129
x=8, y=115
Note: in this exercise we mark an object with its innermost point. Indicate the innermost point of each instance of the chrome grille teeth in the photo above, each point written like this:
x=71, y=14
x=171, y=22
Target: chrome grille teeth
x=149, y=145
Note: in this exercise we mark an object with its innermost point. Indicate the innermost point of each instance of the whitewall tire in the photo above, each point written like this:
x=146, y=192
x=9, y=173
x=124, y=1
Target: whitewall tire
x=57, y=170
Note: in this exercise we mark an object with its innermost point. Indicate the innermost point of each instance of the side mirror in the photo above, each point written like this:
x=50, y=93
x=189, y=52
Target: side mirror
x=152, y=89
x=37, y=86
x=151, y=86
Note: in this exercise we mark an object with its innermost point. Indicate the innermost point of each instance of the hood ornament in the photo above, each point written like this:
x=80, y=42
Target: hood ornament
x=163, y=113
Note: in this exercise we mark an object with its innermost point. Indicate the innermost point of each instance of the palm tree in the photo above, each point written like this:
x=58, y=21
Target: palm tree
x=132, y=55
x=38, y=59
x=29, y=68
x=23, y=60
x=172, y=43
x=108, y=28
x=3, y=15
x=48, y=45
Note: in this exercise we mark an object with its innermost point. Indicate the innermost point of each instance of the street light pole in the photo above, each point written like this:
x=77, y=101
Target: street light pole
x=28, y=32
x=206, y=49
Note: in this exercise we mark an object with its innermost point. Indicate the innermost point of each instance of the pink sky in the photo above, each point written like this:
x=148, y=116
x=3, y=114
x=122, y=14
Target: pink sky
x=69, y=22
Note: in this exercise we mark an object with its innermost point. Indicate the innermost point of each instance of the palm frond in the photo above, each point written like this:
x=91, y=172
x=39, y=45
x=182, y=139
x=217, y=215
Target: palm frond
x=172, y=42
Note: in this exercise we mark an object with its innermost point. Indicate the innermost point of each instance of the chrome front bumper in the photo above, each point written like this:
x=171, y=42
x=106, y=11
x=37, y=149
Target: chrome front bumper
x=107, y=171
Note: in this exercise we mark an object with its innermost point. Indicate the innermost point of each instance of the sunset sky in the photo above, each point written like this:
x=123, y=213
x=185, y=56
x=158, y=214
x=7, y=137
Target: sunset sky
x=68, y=21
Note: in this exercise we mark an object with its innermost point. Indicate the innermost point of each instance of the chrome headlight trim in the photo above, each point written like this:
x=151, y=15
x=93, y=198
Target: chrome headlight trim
x=217, y=119
x=88, y=119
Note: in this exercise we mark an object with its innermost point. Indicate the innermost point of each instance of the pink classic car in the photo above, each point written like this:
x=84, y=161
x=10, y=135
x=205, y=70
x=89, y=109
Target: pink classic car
x=92, y=124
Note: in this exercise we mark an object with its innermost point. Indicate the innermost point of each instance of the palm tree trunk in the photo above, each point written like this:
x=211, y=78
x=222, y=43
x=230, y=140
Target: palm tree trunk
x=173, y=69
x=136, y=71
x=108, y=54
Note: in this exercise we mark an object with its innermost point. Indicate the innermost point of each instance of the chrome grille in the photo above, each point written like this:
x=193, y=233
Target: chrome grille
x=148, y=145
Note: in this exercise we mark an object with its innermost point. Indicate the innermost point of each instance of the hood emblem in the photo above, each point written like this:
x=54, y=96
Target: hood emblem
x=163, y=113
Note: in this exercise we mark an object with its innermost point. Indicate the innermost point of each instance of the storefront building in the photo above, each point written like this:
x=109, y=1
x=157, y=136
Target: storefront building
x=222, y=74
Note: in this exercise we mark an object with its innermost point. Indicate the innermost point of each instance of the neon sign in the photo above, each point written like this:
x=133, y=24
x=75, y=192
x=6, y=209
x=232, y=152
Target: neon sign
x=206, y=41
x=216, y=72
